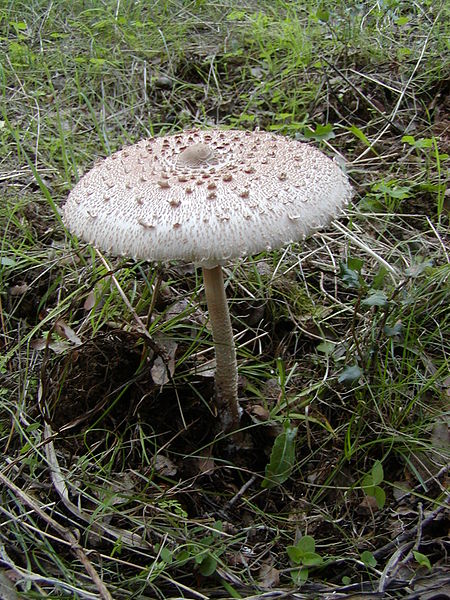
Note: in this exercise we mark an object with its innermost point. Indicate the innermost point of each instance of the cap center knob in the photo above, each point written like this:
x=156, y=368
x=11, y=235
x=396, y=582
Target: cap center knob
x=196, y=155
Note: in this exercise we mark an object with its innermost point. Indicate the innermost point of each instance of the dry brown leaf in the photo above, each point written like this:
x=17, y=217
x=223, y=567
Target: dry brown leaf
x=206, y=465
x=164, y=466
x=90, y=301
x=58, y=347
x=268, y=576
x=67, y=332
x=159, y=372
x=19, y=289
x=162, y=370
x=259, y=412
x=369, y=504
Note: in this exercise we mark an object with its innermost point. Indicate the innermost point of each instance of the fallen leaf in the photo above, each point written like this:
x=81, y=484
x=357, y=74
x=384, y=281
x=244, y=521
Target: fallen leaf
x=58, y=347
x=259, y=412
x=90, y=301
x=206, y=465
x=164, y=466
x=368, y=504
x=162, y=370
x=268, y=576
x=64, y=330
x=159, y=371
x=18, y=290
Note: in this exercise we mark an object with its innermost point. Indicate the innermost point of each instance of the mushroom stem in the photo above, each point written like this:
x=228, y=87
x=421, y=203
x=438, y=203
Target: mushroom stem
x=226, y=365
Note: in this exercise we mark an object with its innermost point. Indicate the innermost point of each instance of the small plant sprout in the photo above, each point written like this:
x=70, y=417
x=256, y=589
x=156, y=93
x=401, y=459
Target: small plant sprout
x=207, y=197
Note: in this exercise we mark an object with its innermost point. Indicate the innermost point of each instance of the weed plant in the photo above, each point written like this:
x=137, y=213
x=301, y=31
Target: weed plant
x=114, y=482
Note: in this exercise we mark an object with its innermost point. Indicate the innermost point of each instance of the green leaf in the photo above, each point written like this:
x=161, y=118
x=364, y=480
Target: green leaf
x=166, y=555
x=419, y=268
x=360, y=135
x=323, y=15
x=393, y=331
x=420, y=143
x=380, y=496
x=423, y=560
x=349, y=276
x=378, y=280
x=350, y=374
x=355, y=263
x=7, y=262
x=375, y=298
x=306, y=544
x=295, y=555
x=208, y=565
x=299, y=576
x=303, y=553
x=368, y=485
x=321, y=132
x=377, y=473
x=409, y=139
x=282, y=458
x=236, y=15
x=368, y=559
x=312, y=559
x=326, y=347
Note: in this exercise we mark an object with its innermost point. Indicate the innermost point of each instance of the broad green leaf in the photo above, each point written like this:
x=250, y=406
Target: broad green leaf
x=312, y=559
x=355, y=263
x=295, y=554
x=419, y=268
x=350, y=374
x=349, y=276
x=303, y=553
x=393, y=331
x=380, y=496
x=306, y=544
x=423, y=560
x=368, y=559
x=375, y=298
x=377, y=473
x=7, y=262
x=367, y=485
x=208, y=565
x=409, y=139
x=321, y=132
x=282, y=458
x=299, y=576
x=378, y=280
x=166, y=555
x=323, y=15
x=326, y=347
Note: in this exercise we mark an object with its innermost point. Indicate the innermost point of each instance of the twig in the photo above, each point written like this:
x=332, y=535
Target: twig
x=241, y=492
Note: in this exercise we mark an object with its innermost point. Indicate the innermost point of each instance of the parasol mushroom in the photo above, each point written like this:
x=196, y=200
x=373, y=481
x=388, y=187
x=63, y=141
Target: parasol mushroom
x=207, y=196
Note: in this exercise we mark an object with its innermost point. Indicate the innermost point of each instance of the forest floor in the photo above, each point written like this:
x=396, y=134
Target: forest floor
x=114, y=479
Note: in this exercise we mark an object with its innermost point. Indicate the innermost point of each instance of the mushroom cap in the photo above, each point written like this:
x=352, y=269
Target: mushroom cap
x=206, y=196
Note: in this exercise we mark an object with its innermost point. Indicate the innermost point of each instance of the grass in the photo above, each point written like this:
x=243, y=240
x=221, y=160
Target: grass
x=113, y=481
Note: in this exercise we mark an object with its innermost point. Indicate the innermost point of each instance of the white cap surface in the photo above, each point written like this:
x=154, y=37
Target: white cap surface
x=206, y=196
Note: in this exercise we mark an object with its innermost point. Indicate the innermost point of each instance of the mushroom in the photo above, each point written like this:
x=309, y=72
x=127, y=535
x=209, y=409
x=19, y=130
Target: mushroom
x=207, y=196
